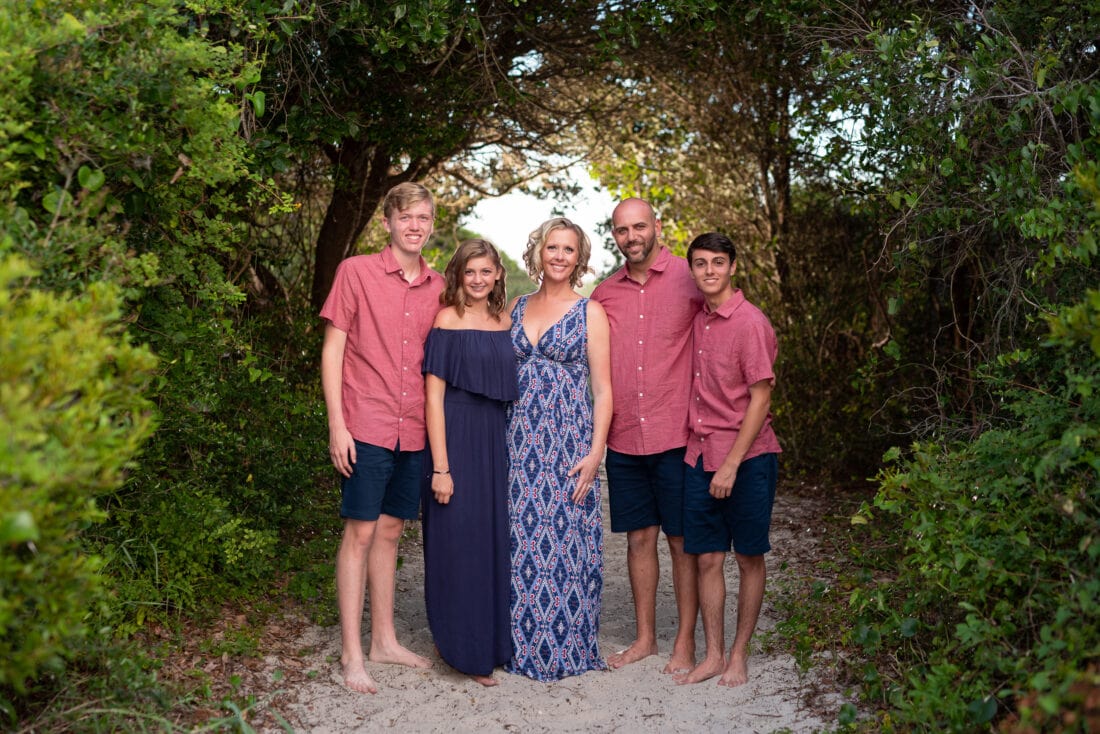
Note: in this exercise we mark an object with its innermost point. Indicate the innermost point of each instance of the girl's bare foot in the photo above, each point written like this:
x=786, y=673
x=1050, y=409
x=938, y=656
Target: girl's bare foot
x=486, y=680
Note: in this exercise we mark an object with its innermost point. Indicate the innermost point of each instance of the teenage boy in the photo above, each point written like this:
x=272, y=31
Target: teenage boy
x=731, y=455
x=378, y=315
x=650, y=304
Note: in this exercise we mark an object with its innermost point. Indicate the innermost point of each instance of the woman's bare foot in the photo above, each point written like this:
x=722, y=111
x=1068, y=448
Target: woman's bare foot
x=705, y=670
x=357, y=678
x=398, y=655
x=736, y=672
x=486, y=680
x=637, y=651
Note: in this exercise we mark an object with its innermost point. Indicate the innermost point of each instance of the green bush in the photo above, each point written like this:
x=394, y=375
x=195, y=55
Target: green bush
x=71, y=403
x=997, y=580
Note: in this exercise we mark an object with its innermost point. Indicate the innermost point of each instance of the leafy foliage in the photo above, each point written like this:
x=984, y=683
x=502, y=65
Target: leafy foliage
x=74, y=414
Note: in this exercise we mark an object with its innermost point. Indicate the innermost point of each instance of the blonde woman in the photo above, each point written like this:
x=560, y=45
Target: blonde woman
x=557, y=433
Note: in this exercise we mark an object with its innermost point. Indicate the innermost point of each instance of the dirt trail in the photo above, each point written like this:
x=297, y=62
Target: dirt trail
x=299, y=680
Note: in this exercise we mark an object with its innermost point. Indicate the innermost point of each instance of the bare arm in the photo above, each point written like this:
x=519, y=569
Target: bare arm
x=760, y=400
x=434, y=391
x=599, y=367
x=341, y=446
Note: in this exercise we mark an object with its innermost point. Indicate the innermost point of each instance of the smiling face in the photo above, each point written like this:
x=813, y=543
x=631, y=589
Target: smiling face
x=712, y=272
x=635, y=229
x=410, y=228
x=478, y=279
x=560, y=254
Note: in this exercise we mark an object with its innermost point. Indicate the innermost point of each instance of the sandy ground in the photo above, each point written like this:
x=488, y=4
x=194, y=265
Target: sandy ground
x=635, y=698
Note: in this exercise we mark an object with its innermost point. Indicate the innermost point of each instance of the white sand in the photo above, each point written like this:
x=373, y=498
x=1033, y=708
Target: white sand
x=635, y=698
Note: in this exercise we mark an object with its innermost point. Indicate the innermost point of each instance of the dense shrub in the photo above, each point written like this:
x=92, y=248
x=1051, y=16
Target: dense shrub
x=998, y=569
x=73, y=413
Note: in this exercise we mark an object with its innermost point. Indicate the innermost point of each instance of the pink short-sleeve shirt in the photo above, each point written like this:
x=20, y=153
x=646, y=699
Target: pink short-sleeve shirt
x=387, y=320
x=734, y=347
x=650, y=354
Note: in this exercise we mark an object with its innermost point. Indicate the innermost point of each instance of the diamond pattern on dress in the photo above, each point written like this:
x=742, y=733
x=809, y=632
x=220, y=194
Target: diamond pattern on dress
x=557, y=545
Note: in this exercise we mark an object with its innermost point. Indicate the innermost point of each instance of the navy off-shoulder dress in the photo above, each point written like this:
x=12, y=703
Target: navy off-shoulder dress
x=467, y=552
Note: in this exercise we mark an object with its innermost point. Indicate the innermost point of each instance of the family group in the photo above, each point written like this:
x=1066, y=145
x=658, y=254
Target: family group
x=489, y=420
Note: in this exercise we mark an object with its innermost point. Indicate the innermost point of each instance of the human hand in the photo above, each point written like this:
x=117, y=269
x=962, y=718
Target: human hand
x=721, y=484
x=585, y=469
x=443, y=487
x=341, y=449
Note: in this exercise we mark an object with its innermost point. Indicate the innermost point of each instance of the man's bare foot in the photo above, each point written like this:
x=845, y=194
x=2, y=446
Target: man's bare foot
x=705, y=670
x=736, y=672
x=357, y=678
x=398, y=655
x=637, y=651
x=682, y=660
x=486, y=680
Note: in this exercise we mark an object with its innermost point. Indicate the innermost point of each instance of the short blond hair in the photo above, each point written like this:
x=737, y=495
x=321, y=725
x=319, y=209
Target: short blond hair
x=532, y=257
x=404, y=195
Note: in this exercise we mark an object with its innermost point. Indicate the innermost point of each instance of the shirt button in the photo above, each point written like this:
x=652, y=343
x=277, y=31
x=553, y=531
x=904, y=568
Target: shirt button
x=639, y=368
x=639, y=341
x=641, y=315
x=643, y=420
x=640, y=394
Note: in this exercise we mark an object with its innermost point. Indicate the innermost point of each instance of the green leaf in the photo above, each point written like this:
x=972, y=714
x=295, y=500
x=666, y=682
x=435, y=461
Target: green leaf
x=982, y=710
x=90, y=179
x=18, y=527
x=258, y=100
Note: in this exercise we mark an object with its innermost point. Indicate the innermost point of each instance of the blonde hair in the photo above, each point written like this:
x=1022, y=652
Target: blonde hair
x=404, y=195
x=532, y=258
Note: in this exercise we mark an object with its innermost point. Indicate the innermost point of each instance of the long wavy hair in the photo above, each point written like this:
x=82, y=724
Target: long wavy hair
x=532, y=257
x=452, y=294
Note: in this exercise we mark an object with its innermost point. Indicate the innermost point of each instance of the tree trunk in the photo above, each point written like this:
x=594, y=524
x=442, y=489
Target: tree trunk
x=361, y=173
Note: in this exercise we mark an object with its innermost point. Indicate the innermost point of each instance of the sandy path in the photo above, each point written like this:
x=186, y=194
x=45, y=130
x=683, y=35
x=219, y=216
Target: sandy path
x=636, y=698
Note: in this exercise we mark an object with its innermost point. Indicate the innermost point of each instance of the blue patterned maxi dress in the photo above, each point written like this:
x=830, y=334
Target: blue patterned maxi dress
x=557, y=545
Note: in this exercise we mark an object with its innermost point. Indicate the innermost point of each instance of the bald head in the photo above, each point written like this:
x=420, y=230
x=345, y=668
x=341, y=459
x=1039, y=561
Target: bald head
x=636, y=228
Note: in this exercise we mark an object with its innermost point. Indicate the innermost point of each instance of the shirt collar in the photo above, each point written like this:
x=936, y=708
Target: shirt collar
x=664, y=257
x=728, y=308
x=392, y=266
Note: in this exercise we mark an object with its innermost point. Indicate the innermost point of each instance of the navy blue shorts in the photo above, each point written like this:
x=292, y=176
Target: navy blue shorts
x=382, y=481
x=646, y=490
x=741, y=520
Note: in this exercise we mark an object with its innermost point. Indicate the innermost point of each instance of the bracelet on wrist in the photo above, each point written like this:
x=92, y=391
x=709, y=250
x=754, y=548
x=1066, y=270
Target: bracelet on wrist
x=445, y=471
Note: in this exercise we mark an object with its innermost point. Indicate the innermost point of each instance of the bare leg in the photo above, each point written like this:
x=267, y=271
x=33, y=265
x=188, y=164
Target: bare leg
x=685, y=583
x=750, y=597
x=351, y=580
x=382, y=567
x=641, y=561
x=712, y=603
